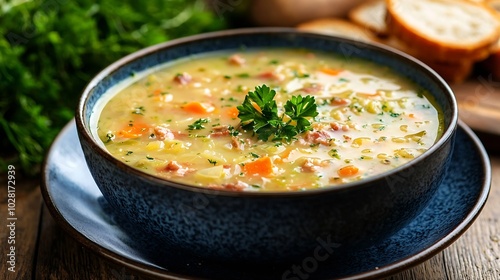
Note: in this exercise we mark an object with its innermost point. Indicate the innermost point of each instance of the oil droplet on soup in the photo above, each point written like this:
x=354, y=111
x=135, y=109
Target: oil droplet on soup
x=182, y=123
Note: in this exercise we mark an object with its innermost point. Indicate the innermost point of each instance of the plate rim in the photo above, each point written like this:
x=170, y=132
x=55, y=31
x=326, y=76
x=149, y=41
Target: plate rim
x=384, y=271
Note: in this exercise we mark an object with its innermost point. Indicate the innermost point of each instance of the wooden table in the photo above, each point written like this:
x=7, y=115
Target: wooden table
x=44, y=251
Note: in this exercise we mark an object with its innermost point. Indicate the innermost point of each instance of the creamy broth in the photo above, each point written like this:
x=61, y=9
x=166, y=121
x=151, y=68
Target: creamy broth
x=181, y=123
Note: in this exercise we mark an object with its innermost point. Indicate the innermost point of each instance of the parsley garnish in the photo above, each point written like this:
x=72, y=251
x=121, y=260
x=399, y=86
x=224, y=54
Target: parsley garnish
x=211, y=161
x=198, y=124
x=259, y=113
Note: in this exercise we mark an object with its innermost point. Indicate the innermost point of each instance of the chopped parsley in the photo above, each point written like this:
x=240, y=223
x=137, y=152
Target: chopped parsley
x=198, y=124
x=211, y=161
x=243, y=75
x=109, y=137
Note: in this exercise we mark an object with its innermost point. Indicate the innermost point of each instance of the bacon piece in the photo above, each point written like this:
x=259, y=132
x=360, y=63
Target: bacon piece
x=313, y=88
x=337, y=101
x=313, y=165
x=162, y=132
x=183, y=78
x=318, y=137
x=236, y=59
x=236, y=143
x=221, y=130
x=238, y=186
x=335, y=126
x=176, y=168
x=271, y=75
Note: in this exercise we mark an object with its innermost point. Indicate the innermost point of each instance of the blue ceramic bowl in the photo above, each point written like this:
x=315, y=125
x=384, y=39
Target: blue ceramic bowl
x=263, y=227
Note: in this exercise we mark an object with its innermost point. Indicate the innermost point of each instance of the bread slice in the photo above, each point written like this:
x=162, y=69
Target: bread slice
x=371, y=15
x=490, y=67
x=338, y=27
x=453, y=72
x=444, y=30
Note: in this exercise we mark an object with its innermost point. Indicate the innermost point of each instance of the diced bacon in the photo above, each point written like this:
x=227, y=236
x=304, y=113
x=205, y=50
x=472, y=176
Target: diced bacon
x=236, y=143
x=221, y=130
x=176, y=168
x=337, y=101
x=162, y=133
x=313, y=88
x=238, y=186
x=335, y=126
x=183, y=78
x=271, y=75
x=236, y=59
x=313, y=165
x=318, y=137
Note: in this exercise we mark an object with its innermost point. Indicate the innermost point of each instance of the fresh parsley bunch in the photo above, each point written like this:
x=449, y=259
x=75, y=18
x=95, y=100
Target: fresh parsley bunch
x=259, y=113
x=50, y=49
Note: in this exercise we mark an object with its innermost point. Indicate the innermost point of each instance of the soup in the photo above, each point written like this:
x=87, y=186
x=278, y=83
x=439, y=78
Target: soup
x=269, y=120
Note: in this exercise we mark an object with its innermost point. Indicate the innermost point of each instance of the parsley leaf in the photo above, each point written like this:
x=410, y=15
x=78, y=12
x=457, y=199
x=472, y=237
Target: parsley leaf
x=259, y=113
x=298, y=108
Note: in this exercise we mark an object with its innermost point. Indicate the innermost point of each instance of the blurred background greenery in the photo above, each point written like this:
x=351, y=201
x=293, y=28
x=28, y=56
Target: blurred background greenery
x=50, y=49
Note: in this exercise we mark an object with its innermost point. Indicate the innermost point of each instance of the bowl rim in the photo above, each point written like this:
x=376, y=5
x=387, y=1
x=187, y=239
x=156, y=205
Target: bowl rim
x=86, y=134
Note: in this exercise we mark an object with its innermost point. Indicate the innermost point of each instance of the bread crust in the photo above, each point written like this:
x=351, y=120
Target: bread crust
x=338, y=27
x=453, y=72
x=434, y=48
x=371, y=15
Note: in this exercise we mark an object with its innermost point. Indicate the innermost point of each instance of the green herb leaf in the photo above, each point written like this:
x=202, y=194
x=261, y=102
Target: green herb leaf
x=259, y=113
x=198, y=124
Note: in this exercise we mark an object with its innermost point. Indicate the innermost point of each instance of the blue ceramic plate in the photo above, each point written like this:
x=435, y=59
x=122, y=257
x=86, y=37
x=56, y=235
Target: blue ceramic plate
x=77, y=205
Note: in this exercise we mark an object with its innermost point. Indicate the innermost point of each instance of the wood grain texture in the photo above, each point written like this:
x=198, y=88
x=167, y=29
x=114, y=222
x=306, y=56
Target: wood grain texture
x=28, y=202
x=46, y=252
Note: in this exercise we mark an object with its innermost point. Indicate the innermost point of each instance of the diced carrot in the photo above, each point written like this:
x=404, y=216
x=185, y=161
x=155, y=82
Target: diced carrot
x=198, y=107
x=261, y=166
x=232, y=112
x=411, y=116
x=134, y=129
x=330, y=71
x=349, y=170
x=157, y=92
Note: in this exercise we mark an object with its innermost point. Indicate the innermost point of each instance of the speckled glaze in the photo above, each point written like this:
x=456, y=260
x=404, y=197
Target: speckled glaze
x=267, y=227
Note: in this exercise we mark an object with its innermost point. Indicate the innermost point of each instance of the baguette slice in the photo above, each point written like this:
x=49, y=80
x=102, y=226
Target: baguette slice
x=338, y=27
x=371, y=15
x=444, y=30
x=453, y=72
x=491, y=66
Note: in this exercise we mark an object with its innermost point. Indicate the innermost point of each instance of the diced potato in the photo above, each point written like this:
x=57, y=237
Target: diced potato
x=400, y=140
x=213, y=156
x=211, y=173
x=403, y=153
x=155, y=146
x=337, y=115
x=358, y=142
x=373, y=107
x=174, y=146
x=273, y=149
